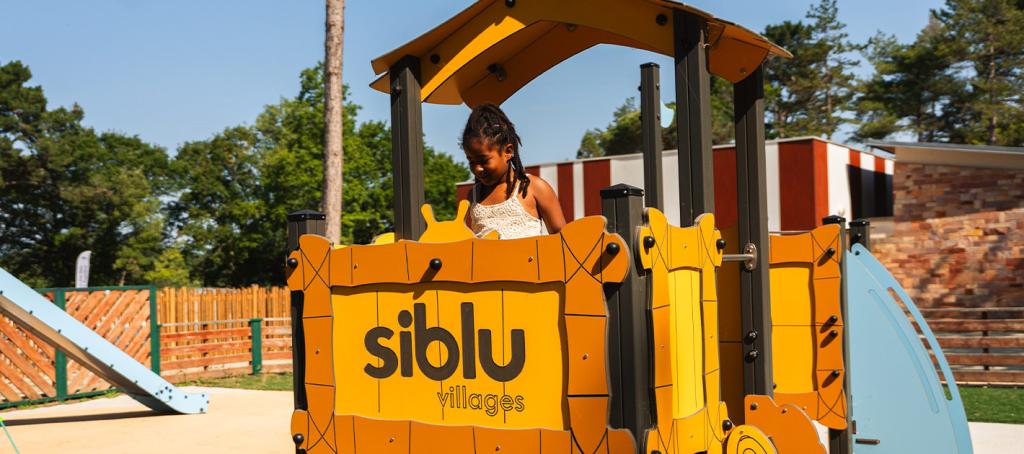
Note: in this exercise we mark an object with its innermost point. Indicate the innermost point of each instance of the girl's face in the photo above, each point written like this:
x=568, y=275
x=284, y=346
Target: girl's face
x=488, y=162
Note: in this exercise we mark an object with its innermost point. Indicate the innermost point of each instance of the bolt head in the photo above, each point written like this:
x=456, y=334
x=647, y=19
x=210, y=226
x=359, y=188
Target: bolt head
x=613, y=249
x=298, y=438
x=435, y=264
x=720, y=244
x=661, y=19
x=293, y=262
x=648, y=242
x=727, y=425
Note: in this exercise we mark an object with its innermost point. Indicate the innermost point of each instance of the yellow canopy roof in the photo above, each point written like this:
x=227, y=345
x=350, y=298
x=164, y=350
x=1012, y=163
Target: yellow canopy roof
x=490, y=50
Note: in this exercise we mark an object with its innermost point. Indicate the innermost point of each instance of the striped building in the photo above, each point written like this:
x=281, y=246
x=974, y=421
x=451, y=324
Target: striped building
x=808, y=178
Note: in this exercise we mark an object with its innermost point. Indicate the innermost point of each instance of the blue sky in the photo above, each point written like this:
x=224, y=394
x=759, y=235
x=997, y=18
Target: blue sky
x=172, y=72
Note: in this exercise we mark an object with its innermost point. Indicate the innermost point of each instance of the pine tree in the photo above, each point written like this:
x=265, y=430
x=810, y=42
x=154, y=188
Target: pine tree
x=985, y=39
x=912, y=89
x=834, y=84
x=789, y=83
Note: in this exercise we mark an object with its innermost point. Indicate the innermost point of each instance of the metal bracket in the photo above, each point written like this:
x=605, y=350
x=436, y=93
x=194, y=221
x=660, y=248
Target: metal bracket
x=748, y=257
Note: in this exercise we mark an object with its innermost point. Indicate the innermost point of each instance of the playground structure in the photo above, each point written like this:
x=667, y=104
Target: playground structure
x=712, y=340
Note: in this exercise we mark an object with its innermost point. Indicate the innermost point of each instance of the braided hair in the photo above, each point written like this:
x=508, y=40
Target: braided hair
x=488, y=124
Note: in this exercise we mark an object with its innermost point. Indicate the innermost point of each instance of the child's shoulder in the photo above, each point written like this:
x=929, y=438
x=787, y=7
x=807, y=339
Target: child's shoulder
x=540, y=188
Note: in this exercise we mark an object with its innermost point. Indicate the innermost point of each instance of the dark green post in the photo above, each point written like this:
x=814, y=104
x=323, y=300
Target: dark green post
x=693, y=118
x=154, y=332
x=256, y=325
x=860, y=233
x=840, y=441
x=60, y=360
x=628, y=317
x=650, y=125
x=752, y=222
x=407, y=148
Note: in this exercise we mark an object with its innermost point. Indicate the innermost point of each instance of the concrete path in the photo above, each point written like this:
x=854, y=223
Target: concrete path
x=239, y=421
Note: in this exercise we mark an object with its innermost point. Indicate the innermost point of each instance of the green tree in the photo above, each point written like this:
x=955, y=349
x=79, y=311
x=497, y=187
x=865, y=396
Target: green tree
x=624, y=134
x=789, y=84
x=911, y=89
x=834, y=85
x=66, y=188
x=984, y=39
x=231, y=216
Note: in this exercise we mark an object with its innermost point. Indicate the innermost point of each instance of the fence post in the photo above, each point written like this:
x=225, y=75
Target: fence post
x=60, y=360
x=154, y=332
x=255, y=324
x=628, y=333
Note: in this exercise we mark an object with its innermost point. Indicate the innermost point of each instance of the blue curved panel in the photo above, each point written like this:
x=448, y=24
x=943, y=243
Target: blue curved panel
x=898, y=399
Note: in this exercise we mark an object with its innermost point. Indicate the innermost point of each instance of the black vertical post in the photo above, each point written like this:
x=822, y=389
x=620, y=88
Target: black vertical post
x=629, y=354
x=407, y=148
x=840, y=441
x=860, y=233
x=693, y=117
x=300, y=223
x=650, y=125
x=752, y=204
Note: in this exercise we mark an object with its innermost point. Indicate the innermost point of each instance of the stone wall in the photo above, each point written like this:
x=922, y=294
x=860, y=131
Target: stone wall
x=958, y=235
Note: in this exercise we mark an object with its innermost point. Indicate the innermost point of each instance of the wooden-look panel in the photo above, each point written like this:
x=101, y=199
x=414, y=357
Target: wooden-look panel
x=682, y=263
x=807, y=324
x=471, y=345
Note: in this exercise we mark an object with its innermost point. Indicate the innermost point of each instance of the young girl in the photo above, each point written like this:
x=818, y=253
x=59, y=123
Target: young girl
x=505, y=199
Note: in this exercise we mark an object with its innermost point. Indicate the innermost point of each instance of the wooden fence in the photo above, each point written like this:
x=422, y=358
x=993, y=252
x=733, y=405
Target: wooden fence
x=202, y=332
x=983, y=346
x=32, y=371
x=209, y=332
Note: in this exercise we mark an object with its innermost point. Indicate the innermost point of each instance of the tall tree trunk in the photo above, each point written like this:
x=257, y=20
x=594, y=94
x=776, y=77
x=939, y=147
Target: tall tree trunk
x=333, y=128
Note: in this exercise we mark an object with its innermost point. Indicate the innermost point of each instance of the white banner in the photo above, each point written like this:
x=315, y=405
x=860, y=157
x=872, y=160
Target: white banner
x=82, y=269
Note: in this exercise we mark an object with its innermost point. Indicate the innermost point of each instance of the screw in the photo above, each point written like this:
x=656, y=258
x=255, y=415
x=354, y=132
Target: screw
x=835, y=374
x=726, y=425
x=435, y=264
x=750, y=337
x=510, y=3
x=720, y=244
x=298, y=438
x=833, y=333
x=833, y=319
x=648, y=242
x=293, y=262
x=830, y=252
x=613, y=249
x=435, y=59
x=661, y=19
x=753, y=406
x=751, y=356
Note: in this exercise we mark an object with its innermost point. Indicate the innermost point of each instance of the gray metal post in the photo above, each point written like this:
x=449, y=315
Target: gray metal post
x=650, y=125
x=407, y=148
x=300, y=223
x=752, y=209
x=860, y=233
x=693, y=118
x=840, y=441
x=629, y=354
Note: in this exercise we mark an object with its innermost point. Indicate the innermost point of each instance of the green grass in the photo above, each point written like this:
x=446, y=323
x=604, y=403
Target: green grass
x=1004, y=405
x=265, y=382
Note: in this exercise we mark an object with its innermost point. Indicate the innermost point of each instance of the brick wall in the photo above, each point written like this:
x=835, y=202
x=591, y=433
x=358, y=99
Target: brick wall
x=958, y=235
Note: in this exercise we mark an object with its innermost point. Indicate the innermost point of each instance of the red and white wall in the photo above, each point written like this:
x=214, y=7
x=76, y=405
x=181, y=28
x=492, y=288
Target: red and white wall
x=807, y=178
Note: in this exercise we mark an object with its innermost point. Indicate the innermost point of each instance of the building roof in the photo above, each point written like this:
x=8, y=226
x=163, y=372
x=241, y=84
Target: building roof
x=952, y=154
x=491, y=49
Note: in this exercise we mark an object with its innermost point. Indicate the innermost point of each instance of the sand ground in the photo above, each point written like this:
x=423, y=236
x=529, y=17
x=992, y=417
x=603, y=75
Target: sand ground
x=239, y=421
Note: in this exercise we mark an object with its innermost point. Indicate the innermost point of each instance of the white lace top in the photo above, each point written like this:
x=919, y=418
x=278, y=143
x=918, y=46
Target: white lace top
x=509, y=218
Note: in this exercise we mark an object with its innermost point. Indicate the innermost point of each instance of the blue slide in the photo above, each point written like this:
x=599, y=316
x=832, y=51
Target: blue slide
x=44, y=319
x=899, y=403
